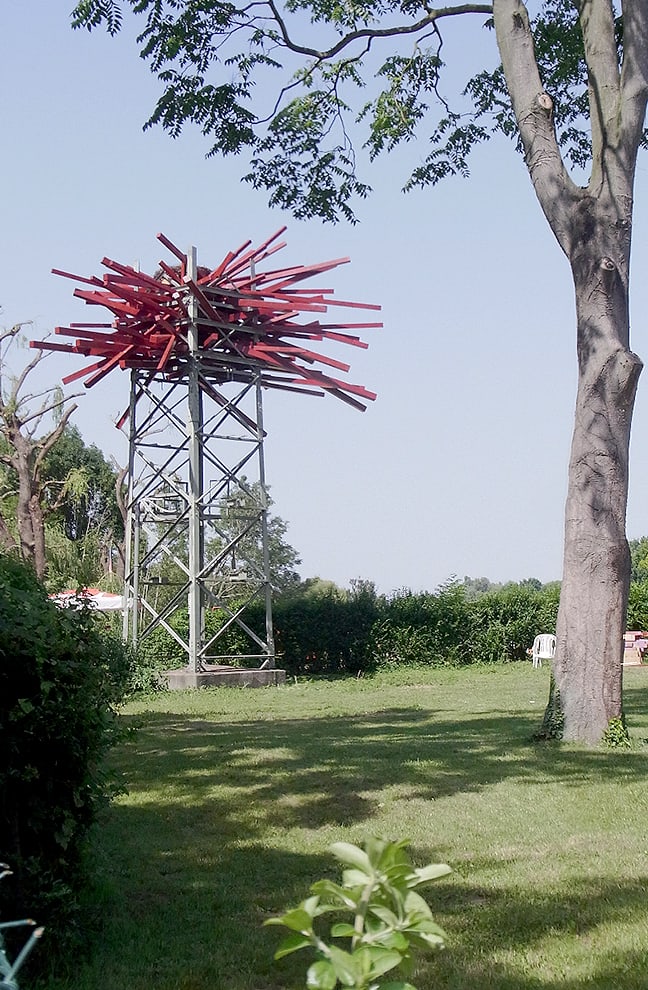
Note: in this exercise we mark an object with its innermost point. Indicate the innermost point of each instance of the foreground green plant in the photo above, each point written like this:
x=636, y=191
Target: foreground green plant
x=390, y=920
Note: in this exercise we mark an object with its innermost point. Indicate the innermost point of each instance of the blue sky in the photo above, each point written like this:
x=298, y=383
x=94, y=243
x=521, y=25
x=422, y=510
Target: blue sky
x=459, y=467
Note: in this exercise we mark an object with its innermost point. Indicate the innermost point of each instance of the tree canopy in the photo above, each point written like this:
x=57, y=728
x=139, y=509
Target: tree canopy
x=300, y=87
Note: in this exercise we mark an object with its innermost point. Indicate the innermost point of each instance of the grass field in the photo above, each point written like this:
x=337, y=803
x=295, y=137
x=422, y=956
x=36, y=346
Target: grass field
x=234, y=797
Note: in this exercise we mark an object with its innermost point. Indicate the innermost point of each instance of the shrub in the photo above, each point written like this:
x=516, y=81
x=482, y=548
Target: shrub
x=327, y=634
x=638, y=606
x=505, y=622
x=60, y=679
x=160, y=651
x=423, y=628
x=389, y=921
x=335, y=633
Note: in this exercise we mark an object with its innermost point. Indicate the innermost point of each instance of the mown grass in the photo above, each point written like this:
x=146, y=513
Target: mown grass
x=234, y=797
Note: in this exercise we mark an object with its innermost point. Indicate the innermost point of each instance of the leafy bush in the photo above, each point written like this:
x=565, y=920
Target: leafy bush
x=389, y=921
x=422, y=629
x=60, y=679
x=505, y=623
x=327, y=634
x=616, y=736
x=638, y=606
x=160, y=651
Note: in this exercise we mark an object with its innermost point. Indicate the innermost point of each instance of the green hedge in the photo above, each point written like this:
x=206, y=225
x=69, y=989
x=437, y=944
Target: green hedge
x=347, y=633
x=60, y=678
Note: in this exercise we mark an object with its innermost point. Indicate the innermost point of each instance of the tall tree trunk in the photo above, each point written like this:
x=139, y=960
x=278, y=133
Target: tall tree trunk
x=588, y=667
x=593, y=227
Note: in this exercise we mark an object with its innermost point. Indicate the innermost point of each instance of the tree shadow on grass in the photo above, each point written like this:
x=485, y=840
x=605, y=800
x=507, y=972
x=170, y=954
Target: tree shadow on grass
x=333, y=770
x=195, y=863
x=183, y=915
x=197, y=896
x=635, y=695
x=496, y=936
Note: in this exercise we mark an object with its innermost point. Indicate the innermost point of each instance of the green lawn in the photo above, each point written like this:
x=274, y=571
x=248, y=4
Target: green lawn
x=234, y=797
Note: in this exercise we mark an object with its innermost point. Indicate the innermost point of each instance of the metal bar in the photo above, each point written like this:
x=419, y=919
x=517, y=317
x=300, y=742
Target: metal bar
x=196, y=474
x=264, y=531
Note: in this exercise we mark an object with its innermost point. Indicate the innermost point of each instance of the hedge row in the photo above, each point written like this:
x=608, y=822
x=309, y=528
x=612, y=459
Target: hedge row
x=336, y=633
x=346, y=633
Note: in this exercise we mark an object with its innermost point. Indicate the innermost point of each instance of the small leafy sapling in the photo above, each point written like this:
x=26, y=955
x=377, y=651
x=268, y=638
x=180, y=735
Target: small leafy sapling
x=389, y=919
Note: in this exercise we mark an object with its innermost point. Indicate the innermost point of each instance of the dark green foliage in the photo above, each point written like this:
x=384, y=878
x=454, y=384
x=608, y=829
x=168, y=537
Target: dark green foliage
x=336, y=632
x=638, y=606
x=60, y=678
x=332, y=632
x=328, y=634
x=424, y=628
x=639, y=559
x=448, y=627
x=95, y=506
x=160, y=651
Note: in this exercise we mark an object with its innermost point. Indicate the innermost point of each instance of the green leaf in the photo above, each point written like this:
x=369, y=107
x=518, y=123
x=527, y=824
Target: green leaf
x=292, y=943
x=339, y=895
x=344, y=966
x=342, y=930
x=310, y=905
x=385, y=914
x=399, y=874
x=382, y=960
x=298, y=920
x=431, y=872
x=390, y=940
x=427, y=939
x=355, y=878
x=354, y=856
x=321, y=976
x=415, y=905
x=394, y=854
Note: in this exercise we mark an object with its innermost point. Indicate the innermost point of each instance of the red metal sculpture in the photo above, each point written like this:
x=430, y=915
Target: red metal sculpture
x=194, y=329
x=247, y=321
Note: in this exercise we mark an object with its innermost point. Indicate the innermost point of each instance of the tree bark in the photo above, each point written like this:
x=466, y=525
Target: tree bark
x=588, y=667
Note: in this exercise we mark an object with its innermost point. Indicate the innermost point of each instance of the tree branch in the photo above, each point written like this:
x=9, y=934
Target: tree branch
x=597, y=27
x=430, y=18
x=533, y=109
x=47, y=408
x=48, y=442
x=634, y=81
x=7, y=539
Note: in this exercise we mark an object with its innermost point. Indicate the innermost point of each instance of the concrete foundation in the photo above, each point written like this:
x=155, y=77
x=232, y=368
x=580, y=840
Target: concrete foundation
x=221, y=676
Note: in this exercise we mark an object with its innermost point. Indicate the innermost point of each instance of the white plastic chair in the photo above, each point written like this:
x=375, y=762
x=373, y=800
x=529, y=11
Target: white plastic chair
x=544, y=647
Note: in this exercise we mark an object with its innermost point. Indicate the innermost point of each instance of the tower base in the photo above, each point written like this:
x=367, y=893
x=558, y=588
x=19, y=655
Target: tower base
x=216, y=676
